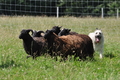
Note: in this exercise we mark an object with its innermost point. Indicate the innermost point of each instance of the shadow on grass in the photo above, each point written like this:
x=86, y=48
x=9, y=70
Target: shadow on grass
x=109, y=55
x=87, y=59
x=8, y=64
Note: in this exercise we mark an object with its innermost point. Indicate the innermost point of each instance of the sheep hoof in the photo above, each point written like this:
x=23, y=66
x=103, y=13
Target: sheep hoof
x=28, y=56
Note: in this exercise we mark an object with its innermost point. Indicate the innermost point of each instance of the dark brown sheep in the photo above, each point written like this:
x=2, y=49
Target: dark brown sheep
x=66, y=45
x=56, y=30
x=34, y=46
x=88, y=51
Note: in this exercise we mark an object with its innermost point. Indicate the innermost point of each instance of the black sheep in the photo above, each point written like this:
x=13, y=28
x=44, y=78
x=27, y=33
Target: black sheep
x=66, y=32
x=56, y=29
x=34, y=46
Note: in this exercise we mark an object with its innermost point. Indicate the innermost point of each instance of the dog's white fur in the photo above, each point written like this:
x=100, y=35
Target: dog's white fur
x=98, y=44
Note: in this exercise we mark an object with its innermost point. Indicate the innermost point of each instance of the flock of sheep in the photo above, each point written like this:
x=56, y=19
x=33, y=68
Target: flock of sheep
x=57, y=42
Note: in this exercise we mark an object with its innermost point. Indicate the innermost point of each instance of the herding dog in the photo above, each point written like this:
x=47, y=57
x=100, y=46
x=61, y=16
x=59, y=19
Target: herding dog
x=98, y=41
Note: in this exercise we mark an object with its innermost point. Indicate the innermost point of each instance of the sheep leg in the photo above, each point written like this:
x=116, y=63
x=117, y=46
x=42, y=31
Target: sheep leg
x=78, y=54
x=34, y=55
x=75, y=56
x=50, y=51
x=28, y=56
x=91, y=57
x=55, y=56
x=64, y=57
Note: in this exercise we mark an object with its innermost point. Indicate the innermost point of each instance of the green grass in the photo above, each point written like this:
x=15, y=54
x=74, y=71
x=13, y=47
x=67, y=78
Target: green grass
x=15, y=66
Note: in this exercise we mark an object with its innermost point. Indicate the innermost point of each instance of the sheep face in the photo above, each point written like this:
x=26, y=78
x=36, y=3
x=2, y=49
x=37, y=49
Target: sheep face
x=24, y=33
x=56, y=29
x=48, y=34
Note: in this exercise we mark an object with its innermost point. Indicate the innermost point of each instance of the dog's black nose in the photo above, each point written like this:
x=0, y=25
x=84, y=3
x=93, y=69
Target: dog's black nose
x=98, y=36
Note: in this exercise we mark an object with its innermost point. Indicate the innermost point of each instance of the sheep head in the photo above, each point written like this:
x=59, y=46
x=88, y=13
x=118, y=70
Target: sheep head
x=48, y=33
x=56, y=29
x=25, y=33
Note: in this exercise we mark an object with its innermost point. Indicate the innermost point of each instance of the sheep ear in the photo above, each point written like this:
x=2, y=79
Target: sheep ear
x=33, y=31
x=59, y=27
x=62, y=29
x=41, y=33
x=69, y=30
x=30, y=30
x=46, y=31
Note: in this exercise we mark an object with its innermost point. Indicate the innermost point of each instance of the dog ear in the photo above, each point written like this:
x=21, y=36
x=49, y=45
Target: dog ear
x=96, y=28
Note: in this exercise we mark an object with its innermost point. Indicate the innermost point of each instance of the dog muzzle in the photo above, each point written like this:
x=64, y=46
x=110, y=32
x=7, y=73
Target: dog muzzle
x=97, y=39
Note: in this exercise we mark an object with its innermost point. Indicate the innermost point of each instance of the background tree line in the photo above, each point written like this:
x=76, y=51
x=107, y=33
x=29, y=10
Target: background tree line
x=66, y=7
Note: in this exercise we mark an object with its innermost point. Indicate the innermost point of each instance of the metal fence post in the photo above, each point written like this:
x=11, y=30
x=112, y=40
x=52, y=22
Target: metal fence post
x=117, y=13
x=102, y=13
x=57, y=12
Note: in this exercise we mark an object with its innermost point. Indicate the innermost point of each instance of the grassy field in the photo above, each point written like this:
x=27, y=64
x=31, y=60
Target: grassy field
x=15, y=66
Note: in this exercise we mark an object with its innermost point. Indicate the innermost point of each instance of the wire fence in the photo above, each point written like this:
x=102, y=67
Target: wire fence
x=60, y=7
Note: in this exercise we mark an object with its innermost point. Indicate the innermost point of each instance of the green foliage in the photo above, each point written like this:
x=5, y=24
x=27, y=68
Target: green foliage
x=15, y=66
x=109, y=7
x=113, y=7
x=67, y=7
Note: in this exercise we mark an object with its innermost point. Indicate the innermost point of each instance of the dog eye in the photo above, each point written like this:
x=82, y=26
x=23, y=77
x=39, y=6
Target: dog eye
x=99, y=33
x=96, y=33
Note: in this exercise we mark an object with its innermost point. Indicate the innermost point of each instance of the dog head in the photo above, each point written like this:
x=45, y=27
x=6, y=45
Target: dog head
x=98, y=35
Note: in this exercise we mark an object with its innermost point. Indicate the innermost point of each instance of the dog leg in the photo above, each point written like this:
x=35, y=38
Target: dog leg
x=101, y=52
x=101, y=56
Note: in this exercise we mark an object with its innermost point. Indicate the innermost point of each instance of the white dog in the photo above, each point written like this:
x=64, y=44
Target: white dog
x=98, y=41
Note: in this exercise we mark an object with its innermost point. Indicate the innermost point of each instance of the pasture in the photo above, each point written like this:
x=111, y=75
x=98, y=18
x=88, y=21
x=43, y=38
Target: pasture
x=15, y=66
